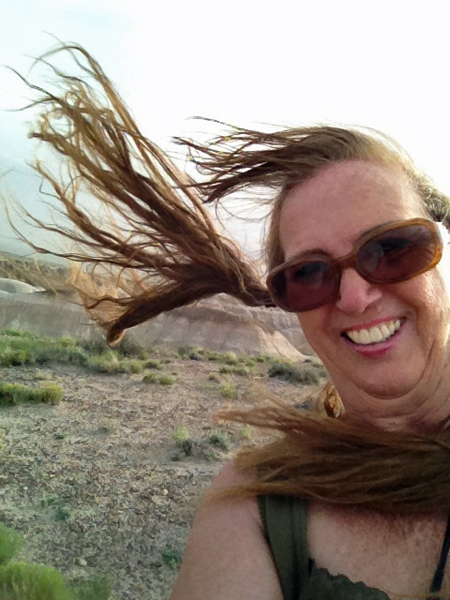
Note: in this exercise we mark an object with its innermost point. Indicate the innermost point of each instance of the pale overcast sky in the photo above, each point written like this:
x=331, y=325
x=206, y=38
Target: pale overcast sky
x=382, y=64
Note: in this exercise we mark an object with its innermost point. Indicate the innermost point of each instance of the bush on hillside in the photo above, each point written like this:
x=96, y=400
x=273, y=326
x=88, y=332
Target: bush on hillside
x=306, y=374
x=16, y=393
x=26, y=581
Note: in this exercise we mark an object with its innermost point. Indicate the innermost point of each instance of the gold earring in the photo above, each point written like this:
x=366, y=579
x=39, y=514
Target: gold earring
x=330, y=401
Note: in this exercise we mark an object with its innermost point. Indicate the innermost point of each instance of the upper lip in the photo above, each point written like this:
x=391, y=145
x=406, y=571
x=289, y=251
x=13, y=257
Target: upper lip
x=370, y=324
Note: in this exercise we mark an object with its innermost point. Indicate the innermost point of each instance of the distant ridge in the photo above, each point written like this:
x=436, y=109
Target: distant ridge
x=40, y=258
x=40, y=273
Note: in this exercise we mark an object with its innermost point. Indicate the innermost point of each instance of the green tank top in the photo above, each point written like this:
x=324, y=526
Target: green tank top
x=285, y=521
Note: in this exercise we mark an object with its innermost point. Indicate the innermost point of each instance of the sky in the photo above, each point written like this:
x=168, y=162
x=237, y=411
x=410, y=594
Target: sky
x=382, y=65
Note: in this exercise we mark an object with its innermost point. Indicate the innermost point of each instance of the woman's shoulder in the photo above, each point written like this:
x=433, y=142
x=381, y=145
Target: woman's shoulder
x=221, y=501
x=231, y=476
x=227, y=538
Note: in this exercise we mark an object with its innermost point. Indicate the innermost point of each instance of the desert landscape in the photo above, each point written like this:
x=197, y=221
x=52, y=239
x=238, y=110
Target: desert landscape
x=106, y=482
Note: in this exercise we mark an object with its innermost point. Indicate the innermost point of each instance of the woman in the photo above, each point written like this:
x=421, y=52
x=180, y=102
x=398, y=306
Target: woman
x=349, y=507
x=385, y=346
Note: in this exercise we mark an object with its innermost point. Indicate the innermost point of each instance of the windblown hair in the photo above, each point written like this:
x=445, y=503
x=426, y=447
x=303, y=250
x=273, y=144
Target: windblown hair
x=158, y=244
x=162, y=250
x=329, y=459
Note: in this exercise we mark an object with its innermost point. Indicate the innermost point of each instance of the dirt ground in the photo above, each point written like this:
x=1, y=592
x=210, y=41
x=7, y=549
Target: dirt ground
x=97, y=484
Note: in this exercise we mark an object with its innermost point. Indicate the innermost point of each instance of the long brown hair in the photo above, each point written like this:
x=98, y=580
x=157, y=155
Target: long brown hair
x=158, y=244
x=162, y=250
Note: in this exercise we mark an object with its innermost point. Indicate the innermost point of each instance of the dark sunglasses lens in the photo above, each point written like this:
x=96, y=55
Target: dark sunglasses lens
x=305, y=286
x=398, y=253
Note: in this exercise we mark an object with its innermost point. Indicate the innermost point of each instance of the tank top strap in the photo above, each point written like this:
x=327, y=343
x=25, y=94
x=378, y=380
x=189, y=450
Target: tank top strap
x=285, y=521
x=438, y=578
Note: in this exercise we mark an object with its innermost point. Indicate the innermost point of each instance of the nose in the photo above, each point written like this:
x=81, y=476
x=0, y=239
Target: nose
x=356, y=294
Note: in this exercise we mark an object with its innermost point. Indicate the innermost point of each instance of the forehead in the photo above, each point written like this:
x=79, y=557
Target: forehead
x=331, y=210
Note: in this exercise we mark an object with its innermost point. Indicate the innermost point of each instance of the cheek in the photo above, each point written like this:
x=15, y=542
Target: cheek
x=440, y=299
x=428, y=296
x=313, y=324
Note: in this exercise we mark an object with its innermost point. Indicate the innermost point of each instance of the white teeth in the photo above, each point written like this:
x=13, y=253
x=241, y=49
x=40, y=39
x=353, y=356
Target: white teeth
x=364, y=336
x=386, y=332
x=355, y=336
x=374, y=334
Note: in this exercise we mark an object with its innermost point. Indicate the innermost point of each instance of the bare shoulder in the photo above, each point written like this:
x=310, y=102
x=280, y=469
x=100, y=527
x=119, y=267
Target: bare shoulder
x=230, y=476
x=226, y=556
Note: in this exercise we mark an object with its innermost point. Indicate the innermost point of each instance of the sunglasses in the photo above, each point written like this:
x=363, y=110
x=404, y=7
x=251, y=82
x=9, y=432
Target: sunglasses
x=386, y=254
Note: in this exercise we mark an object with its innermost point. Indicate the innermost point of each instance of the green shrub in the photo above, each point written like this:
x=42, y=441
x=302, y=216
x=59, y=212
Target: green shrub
x=13, y=358
x=150, y=378
x=108, y=362
x=184, y=351
x=317, y=366
x=219, y=439
x=130, y=349
x=172, y=558
x=230, y=358
x=228, y=390
x=31, y=349
x=181, y=433
x=187, y=446
x=245, y=432
x=19, y=333
x=10, y=543
x=49, y=500
x=241, y=371
x=62, y=513
x=23, y=581
x=260, y=358
x=55, y=353
x=50, y=393
x=153, y=364
x=67, y=342
x=304, y=374
x=183, y=440
x=111, y=363
x=134, y=365
x=15, y=393
x=191, y=352
x=96, y=346
x=167, y=380
x=93, y=590
x=101, y=364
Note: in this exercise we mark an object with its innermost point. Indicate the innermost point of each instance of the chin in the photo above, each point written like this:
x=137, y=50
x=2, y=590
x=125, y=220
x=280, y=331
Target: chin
x=386, y=389
x=382, y=383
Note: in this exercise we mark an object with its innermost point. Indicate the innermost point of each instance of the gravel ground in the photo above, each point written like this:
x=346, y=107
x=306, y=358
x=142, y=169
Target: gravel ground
x=97, y=484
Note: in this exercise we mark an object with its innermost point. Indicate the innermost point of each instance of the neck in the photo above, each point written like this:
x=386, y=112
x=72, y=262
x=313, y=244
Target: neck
x=425, y=409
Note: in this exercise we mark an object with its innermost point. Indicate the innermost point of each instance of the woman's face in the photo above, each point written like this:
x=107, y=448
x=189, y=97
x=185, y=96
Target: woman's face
x=330, y=212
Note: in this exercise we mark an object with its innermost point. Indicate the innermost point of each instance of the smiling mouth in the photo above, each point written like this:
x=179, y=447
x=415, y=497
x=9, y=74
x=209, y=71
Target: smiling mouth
x=374, y=335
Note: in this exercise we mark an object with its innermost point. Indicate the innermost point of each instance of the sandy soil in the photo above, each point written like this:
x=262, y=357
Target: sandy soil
x=98, y=485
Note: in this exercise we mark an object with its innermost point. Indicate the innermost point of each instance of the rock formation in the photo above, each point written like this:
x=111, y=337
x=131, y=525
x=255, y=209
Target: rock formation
x=217, y=324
